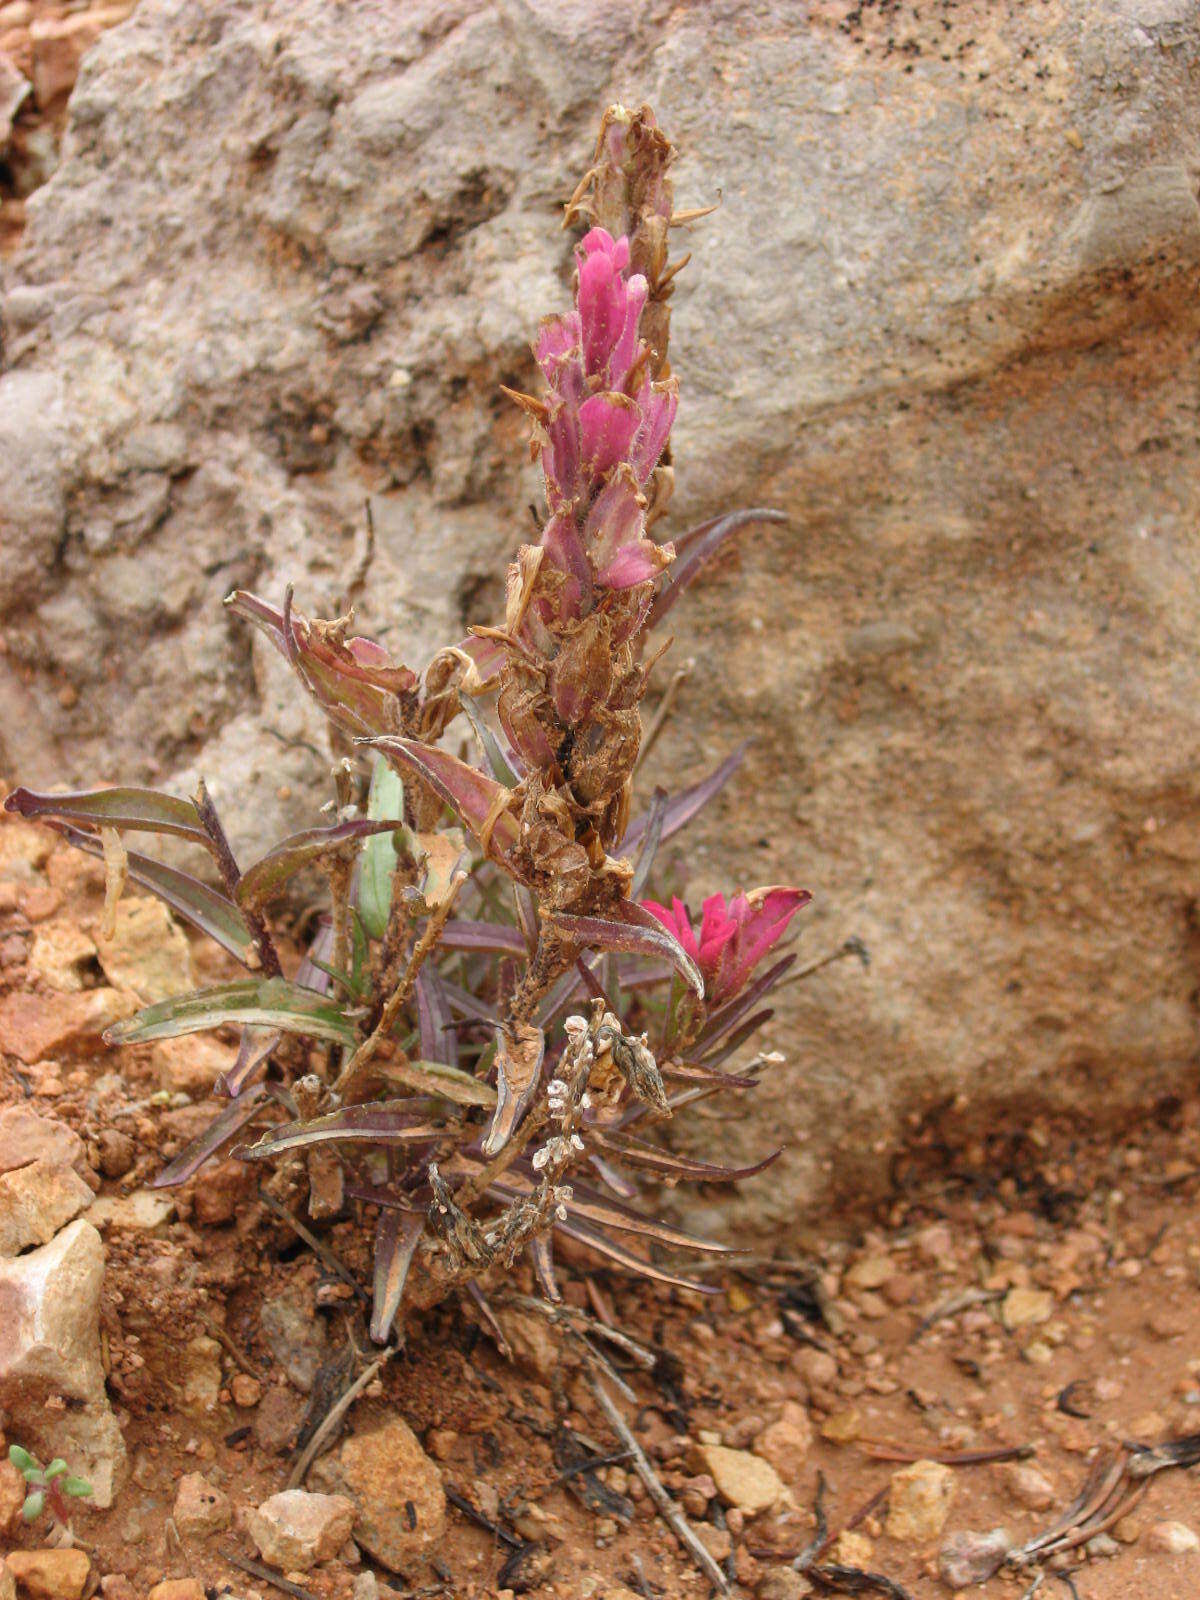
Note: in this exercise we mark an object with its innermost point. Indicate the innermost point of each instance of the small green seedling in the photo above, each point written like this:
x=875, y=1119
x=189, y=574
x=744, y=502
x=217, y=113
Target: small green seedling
x=48, y=1487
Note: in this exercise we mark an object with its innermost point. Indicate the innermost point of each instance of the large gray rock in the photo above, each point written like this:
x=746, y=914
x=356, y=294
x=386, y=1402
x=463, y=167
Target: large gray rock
x=945, y=317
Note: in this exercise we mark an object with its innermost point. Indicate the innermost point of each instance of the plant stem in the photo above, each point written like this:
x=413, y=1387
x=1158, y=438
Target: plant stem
x=396, y=1000
x=231, y=876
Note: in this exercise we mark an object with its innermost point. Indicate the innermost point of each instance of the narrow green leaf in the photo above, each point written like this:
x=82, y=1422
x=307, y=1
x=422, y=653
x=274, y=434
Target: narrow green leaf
x=21, y=1459
x=55, y=1470
x=268, y=877
x=35, y=1504
x=359, y=956
x=79, y=1487
x=258, y=1002
x=436, y=1077
x=489, y=744
x=377, y=1122
x=474, y=797
x=379, y=857
x=135, y=809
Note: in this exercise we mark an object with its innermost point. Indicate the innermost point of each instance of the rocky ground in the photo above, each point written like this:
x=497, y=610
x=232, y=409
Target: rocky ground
x=1017, y=1315
x=42, y=43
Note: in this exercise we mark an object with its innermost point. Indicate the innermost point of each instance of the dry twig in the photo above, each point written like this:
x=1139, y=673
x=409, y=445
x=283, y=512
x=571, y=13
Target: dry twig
x=333, y=1417
x=257, y=1570
x=669, y=1511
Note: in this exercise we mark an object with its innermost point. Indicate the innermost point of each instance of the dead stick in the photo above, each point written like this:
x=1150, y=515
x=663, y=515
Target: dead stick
x=256, y=1570
x=461, y=1503
x=429, y=938
x=670, y=1512
x=321, y=1250
x=883, y=1451
x=242, y=1360
x=658, y=721
x=831, y=1536
x=332, y=1418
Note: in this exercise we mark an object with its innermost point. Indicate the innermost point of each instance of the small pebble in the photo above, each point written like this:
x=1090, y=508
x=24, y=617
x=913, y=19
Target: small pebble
x=1173, y=1538
x=245, y=1390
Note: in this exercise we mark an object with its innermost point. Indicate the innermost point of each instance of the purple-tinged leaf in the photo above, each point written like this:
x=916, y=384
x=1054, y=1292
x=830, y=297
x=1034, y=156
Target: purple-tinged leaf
x=694, y=1072
x=651, y=839
x=489, y=1316
x=731, y=1013
x=520, y=1051
x=465, y=1004
x=474, y=797
x=501, y=937
x=312, y=973
x=612, y=1179
x=670, y=1167
x=268, y=619
x=541, y=1253
x=440, y=1078
x=396, y=1236
x=631, y=928
x=269, y=876
x=254, y=1048
x=590, y=1205
x=600, y=1242
x=681, y=808
x=381, y=1122
x=196, y=902
x=694, y=548
x=352, y=680
x=527, y=917
x=556, y=997
x=639, y=974
x=592, y=985
x=375, y=1196
x=717, y=1084
x=224, y=1127
x=144, y=810
x=438, y=1041
x=489, y=745
x=256, y=1002
x=733, y=1043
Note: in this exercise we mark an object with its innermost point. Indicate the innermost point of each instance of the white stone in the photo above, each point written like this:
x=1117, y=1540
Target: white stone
x=50, y=1346
x=295, y=1530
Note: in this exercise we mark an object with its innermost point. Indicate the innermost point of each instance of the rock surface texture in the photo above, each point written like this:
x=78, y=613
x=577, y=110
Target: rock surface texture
x=50, y=1346
x=945, y=317
x=396, y=1491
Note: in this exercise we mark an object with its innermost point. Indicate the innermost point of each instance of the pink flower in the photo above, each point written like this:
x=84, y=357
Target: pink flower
x=605, y=426
x=733, y=937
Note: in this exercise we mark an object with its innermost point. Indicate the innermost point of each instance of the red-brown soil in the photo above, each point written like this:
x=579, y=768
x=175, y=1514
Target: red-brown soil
x=1106, y=1226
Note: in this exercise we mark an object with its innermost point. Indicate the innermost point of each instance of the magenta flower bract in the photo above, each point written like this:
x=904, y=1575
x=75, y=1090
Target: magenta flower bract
x=733, y=936
x=606, y=426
